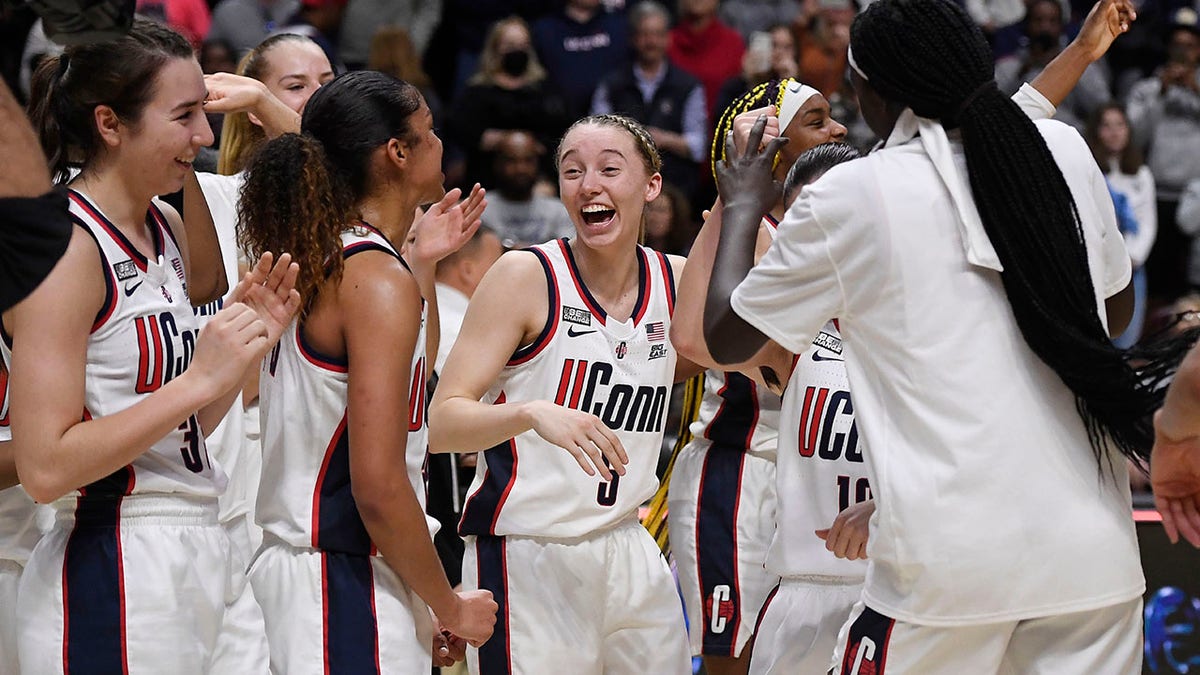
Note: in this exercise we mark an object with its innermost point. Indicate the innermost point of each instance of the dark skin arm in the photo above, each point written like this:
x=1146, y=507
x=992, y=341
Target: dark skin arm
x=748, y=190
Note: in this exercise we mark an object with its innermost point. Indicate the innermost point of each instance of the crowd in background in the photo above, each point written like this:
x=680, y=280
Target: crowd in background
x=504, y=79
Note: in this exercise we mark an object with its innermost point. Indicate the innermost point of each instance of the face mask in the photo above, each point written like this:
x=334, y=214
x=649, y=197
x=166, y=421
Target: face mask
x=514, y=63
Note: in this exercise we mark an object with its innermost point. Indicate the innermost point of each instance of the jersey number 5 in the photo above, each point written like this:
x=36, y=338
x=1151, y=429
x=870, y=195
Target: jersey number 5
x=606, y=492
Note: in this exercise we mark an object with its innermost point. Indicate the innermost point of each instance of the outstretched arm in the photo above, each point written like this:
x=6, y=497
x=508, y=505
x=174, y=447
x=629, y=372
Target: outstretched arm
x=748, y=190
x=1105, y=23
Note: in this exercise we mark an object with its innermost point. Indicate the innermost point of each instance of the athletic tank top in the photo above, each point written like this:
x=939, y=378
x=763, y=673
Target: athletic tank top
x=305, y=497
x=143, y=337
x=621, y=372
x=19, y=531
x=736, y=411
x=820, y=468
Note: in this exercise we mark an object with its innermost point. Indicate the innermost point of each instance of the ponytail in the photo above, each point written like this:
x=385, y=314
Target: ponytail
x=45, y=114
x=293, y=200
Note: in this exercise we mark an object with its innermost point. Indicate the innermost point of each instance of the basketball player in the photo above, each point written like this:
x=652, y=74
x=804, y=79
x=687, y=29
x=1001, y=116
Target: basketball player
x=107, y=416
x=348, y=571
x=908, y=252
x=265, y=100
x=567, y=384
x=721, y=500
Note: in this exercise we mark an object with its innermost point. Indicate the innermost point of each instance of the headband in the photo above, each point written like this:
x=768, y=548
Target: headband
x=794, y=94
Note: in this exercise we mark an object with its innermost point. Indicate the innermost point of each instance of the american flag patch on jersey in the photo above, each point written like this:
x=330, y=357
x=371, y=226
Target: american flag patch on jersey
x=656, y=331
x=178, y=265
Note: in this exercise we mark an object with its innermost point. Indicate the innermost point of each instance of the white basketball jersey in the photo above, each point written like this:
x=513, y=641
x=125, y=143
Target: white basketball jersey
x=143, y=337
x=305, y=497
x=619, y=371
x=736, y=411
x=820, y=468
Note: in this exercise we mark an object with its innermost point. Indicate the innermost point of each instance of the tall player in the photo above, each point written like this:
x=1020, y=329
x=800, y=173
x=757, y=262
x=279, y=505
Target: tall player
x=348, y=570
x=567, y=383
x=107, y=414
x=935, y=250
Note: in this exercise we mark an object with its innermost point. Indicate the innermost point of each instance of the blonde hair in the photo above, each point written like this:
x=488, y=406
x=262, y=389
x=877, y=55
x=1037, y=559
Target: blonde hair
x=392, y=52
x=489, y=58
x=239, y=136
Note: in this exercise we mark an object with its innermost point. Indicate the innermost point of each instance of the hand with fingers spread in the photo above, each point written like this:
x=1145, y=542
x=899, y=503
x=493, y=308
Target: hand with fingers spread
x=593, y=445
x=269, y=289
x=743, y=124
x=447, y=226
x=1175, y=480
x=746, y=178
x=233, y=339
x=1107, y=20
x=847, y=537
x=472, y=619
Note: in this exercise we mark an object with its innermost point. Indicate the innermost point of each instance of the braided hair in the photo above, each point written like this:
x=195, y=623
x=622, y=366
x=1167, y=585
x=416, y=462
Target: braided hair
x=641, y=138
x=759, y=96
x=929, y=56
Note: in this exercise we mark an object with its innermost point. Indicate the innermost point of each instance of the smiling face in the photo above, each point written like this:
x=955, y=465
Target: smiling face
x=156, y=150
x=811, y=127
x=605, y=183
x=294, y=70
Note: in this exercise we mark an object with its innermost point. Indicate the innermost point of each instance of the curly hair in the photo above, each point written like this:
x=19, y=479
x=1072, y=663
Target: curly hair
x=302, y=190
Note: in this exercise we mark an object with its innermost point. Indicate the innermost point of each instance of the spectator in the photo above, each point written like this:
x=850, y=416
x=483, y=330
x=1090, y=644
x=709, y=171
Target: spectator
x=579, y=45
x=1108, y=136
x=37, y=47
x=456, y=278
x=189, y=17
x=509, y=92
x=1000, y=20
x=770, y=56
x=1043, y=40
x=243, y=24
x=823, y=42
x=669, y=227
x=216, y=57
x=320, y=21
x=519, y=215
x=748, y=17
x=364, y=19
x=466, y=25
x=704, y=46
x=1164, y=112
x=655, y=92
x=394, y=52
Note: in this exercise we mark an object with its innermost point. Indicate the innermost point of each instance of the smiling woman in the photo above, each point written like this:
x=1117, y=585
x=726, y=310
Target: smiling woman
x=113, y=387
x=572, y=375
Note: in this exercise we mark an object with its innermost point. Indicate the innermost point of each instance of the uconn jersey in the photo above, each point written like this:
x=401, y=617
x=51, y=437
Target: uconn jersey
x=619, y=371
x=738, y=412
x=305, y=497
x=820, y=469
x=19, y=531
x=143, y=337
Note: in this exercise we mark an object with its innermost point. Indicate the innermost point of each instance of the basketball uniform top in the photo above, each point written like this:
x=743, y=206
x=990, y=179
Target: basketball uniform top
x=820, y=469
x=621, y=372
x=305, y=497
x=736, y=411
x=143, y=337
x=19, y=532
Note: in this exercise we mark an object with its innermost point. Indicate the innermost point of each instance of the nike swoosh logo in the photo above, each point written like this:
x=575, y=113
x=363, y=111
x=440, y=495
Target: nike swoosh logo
x=817, y=357
x=129, y=290
x=573, y=333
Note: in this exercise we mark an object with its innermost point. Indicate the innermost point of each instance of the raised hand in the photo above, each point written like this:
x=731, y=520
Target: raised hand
x=746, y=178
x=446, y=226
x=1107, y=20
x=229, y=93
x=269, y=288
x=583, y=435
x=1175, y=479
x=744, y=123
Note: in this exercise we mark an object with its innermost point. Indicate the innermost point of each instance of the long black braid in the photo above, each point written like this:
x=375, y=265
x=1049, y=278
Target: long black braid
x=929, y=55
